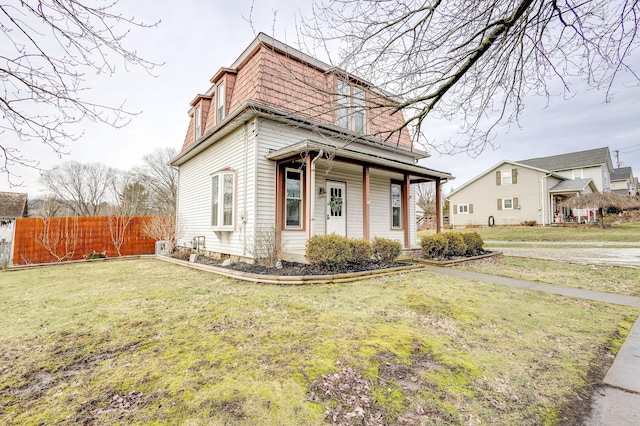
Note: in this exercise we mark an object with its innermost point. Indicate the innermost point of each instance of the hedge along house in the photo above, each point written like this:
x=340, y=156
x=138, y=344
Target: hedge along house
x=285, y=147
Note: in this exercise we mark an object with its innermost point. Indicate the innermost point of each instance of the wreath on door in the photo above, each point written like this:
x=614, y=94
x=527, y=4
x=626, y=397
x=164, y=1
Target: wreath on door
x=335, y=203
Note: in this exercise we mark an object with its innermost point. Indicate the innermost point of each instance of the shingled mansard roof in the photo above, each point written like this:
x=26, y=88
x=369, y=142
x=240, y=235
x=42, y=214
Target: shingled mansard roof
x=12, y=205
x=572, y=160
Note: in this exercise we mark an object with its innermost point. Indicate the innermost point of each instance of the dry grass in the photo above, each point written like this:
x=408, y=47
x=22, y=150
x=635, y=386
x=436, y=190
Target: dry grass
x=145, y=342
x=611, y=279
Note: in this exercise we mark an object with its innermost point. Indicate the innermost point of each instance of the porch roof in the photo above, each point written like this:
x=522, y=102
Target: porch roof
x=423, y=173
x=572, y=186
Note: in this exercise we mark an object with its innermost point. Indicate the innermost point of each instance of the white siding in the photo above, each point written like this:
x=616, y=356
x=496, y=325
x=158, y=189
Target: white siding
x=234, y=152
x=381, y=206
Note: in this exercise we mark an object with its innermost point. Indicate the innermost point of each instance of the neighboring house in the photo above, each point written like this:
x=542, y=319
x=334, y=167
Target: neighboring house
x=284, y=144
x=515, y=192
x=623, y=181
x=12, y=206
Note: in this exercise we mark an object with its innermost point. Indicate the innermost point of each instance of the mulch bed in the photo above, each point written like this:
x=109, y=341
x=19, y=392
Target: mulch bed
x=298, y=269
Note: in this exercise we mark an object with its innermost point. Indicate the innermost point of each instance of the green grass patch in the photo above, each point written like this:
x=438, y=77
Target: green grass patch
x=610, y=279
x=146, y=342
x=628, y=232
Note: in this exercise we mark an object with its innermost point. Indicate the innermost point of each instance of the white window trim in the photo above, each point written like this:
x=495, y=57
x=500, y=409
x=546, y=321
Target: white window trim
x=353, y=100
x=220, y=101
x=504, y=207
x=220, y=193
x=506, y=174
x=466, y=206
x=286, y=197
x=399, y=185
x=197, y=131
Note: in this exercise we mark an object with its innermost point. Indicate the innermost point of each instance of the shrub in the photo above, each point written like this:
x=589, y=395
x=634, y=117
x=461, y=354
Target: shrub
x=332, y=251
x=456, y=245
x=361, y=251
x=434, y=246
x=95, y=255
x=474, y=243
x=385, y=250
x=183, y=253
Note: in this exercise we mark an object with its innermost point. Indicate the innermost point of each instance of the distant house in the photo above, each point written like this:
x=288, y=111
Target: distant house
x=13, y=205
x=283, y=142
x=623, y=181
x=515, y=192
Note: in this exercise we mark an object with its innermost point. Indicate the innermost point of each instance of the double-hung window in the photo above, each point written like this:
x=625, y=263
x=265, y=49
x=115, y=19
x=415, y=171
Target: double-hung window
x=396, y=205
x=293, y=194
x=223, y=187
x=506, y=177
x=220, y=103
x=507, y=203
x=350, y=108
x=198, y=122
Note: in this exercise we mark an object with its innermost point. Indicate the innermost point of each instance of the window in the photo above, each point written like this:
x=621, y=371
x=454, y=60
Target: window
x=463, y=208
x=220, y=103
x=350, y=111
x=343, y=104
x=507, y=203
x=293, y=195
x=506, y=177
x=396, y=205
x=222, y=200
x=198, y=121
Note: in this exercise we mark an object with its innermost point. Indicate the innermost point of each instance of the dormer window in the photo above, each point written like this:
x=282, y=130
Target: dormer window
x=350, y=111
x=220, y=103
x=198, y=122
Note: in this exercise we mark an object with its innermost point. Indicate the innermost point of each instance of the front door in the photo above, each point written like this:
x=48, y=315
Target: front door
x=336, y=207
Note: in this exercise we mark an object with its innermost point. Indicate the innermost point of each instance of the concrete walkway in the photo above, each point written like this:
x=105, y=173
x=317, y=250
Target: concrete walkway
x=618, y=402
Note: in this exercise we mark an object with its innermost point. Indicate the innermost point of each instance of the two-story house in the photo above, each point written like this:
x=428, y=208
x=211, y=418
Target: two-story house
x=623, y=182
x=282, y=141
x=531, y=190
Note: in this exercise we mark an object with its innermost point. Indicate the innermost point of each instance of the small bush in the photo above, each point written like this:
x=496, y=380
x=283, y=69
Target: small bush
x=361, y=251
x=474, y=243
x=182, y=253
x=95, y=255
x=434, y=246
x=456, y=245
x=529, y=223
x=332, y=251
x=385, y=250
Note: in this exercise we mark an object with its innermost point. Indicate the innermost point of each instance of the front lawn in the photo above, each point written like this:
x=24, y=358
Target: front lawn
x=611, y=279
x=146, y=342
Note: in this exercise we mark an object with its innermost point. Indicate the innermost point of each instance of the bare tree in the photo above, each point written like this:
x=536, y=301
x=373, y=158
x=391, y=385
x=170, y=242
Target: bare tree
x=426, y=195
x=48, y=47
x=59, y=236
x=84, y=189
x=164, y=228
x=474, y=61
x=161, y=180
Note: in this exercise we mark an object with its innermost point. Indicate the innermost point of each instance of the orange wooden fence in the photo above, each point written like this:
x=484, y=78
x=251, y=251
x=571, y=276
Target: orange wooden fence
x=44, y=240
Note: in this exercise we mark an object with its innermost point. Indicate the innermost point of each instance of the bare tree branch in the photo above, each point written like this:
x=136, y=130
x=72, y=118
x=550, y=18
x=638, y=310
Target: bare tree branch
x=476, y=61
x=47, y=48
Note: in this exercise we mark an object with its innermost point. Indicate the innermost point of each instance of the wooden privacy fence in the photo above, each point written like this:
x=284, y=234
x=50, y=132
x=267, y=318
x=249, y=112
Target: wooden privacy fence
x=44, y=240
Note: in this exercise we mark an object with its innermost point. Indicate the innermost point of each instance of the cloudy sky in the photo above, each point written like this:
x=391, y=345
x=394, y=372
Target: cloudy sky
x=197, y=37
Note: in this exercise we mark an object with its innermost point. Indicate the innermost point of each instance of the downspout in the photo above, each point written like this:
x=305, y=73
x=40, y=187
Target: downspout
x=313, y=189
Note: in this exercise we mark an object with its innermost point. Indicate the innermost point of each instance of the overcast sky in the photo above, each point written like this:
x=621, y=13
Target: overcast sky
x=197, y=37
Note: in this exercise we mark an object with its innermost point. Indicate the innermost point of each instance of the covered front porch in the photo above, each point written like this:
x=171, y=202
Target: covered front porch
x=323, y=189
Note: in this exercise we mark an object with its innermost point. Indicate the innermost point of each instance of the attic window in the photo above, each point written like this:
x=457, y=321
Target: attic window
x=220, y=103
x=350, y=109
x=198, y=122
